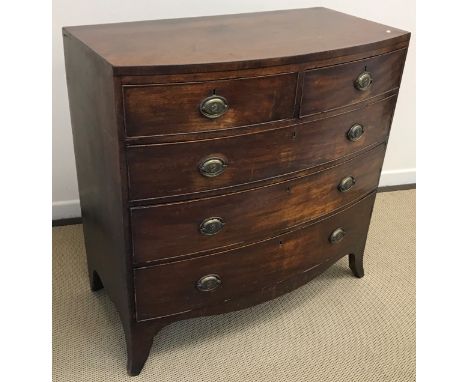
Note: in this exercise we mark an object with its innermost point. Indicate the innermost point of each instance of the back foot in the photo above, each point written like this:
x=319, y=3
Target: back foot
x=95, y=282
x=356, y=264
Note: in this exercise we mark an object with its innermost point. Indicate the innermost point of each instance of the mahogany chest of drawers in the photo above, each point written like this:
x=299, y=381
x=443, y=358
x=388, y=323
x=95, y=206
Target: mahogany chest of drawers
x=223, y=161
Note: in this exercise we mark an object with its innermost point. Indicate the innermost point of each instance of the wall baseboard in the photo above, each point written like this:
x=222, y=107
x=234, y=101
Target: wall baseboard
x=68, y=212
x=66, y=209
x=398, y=177
x=398, y=187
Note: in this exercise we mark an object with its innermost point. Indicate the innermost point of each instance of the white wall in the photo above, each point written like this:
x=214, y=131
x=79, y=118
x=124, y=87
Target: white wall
x=400, y=162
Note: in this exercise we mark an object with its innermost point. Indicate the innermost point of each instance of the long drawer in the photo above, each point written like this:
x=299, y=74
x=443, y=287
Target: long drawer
x=157, y=171
x=341, y=85
x=182, y=286
x=206, y=106
x=232, y=219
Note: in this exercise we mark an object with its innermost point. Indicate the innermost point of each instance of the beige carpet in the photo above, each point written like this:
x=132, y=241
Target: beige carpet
x=336, y=328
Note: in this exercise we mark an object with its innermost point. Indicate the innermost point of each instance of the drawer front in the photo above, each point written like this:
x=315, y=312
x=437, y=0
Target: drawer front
x=176, y=169
x=206, y=281
x=176, y=229
x=336, y=86
x=184, y=108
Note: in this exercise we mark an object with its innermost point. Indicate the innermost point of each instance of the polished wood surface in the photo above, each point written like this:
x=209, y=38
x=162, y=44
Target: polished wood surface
x=253, y=157
x=174, y=109
x=233, y=42
x=249, y=268
x=249, y=215
x=333, y=87
x=102, y=185
x=257, y=128
x=139, y=137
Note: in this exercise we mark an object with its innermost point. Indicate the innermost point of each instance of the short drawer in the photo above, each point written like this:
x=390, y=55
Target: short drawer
x=182, y=286
x=176, y=229
x=206, y=106
x=341, y=85
x=161, y=170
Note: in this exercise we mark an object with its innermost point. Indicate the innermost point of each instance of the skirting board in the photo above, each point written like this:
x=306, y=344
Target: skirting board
x=68, y=211
x=397, y=177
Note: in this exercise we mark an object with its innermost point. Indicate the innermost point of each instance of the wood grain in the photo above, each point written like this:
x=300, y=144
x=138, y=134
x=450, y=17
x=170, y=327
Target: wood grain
x=159, y=292
x=159, y=171
x=251, y=214
x=174, y=109
x=98, y=145
x=234, y=42
x=329, y=88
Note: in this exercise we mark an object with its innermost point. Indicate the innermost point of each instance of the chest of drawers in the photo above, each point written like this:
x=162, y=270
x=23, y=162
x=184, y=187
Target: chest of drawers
x=223, y=161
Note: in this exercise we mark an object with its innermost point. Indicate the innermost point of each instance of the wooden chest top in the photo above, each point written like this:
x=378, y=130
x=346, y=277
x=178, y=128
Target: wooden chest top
x=233, y=42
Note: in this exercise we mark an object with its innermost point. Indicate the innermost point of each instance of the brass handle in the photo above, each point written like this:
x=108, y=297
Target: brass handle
x=214, y=106
x=208, y=283
x=211, y=226
x=346, y=184
x=337, y=235
x=212, y=167
x=355, y=132
x=363, y=81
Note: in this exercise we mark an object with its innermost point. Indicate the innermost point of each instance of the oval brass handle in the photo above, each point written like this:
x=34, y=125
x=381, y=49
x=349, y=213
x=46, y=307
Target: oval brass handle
x=337, y=235
x=355, y=132
x=363, y=81
x=208, y=283
x=214, y=106
x=346, y=184
x=212, y=167
x=211, y=226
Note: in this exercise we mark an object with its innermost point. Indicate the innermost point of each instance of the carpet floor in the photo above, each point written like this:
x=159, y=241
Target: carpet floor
x=336, y=328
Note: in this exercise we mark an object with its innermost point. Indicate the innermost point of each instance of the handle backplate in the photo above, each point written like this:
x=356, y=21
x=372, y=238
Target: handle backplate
x=337, y=235
x=214, y=106
x=211, y=226
x=363, y=81
x=355, y=132
x=212, y=167
x=346, y=183
x=208, y=283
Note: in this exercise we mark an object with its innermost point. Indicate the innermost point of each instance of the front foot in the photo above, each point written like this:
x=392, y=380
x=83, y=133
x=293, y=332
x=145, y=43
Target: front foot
x=356, y=265
x=138, y=348
x=139, y=340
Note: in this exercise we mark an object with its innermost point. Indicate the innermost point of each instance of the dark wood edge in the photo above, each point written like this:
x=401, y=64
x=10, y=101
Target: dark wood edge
x=252, y=72
x=398, y=187
x=342, y=55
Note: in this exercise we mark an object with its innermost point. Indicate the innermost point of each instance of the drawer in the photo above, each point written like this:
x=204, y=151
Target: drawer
x=181, y=286
x=177, y=108
x=162, y=170
x=336, y=86
x=237, y=218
